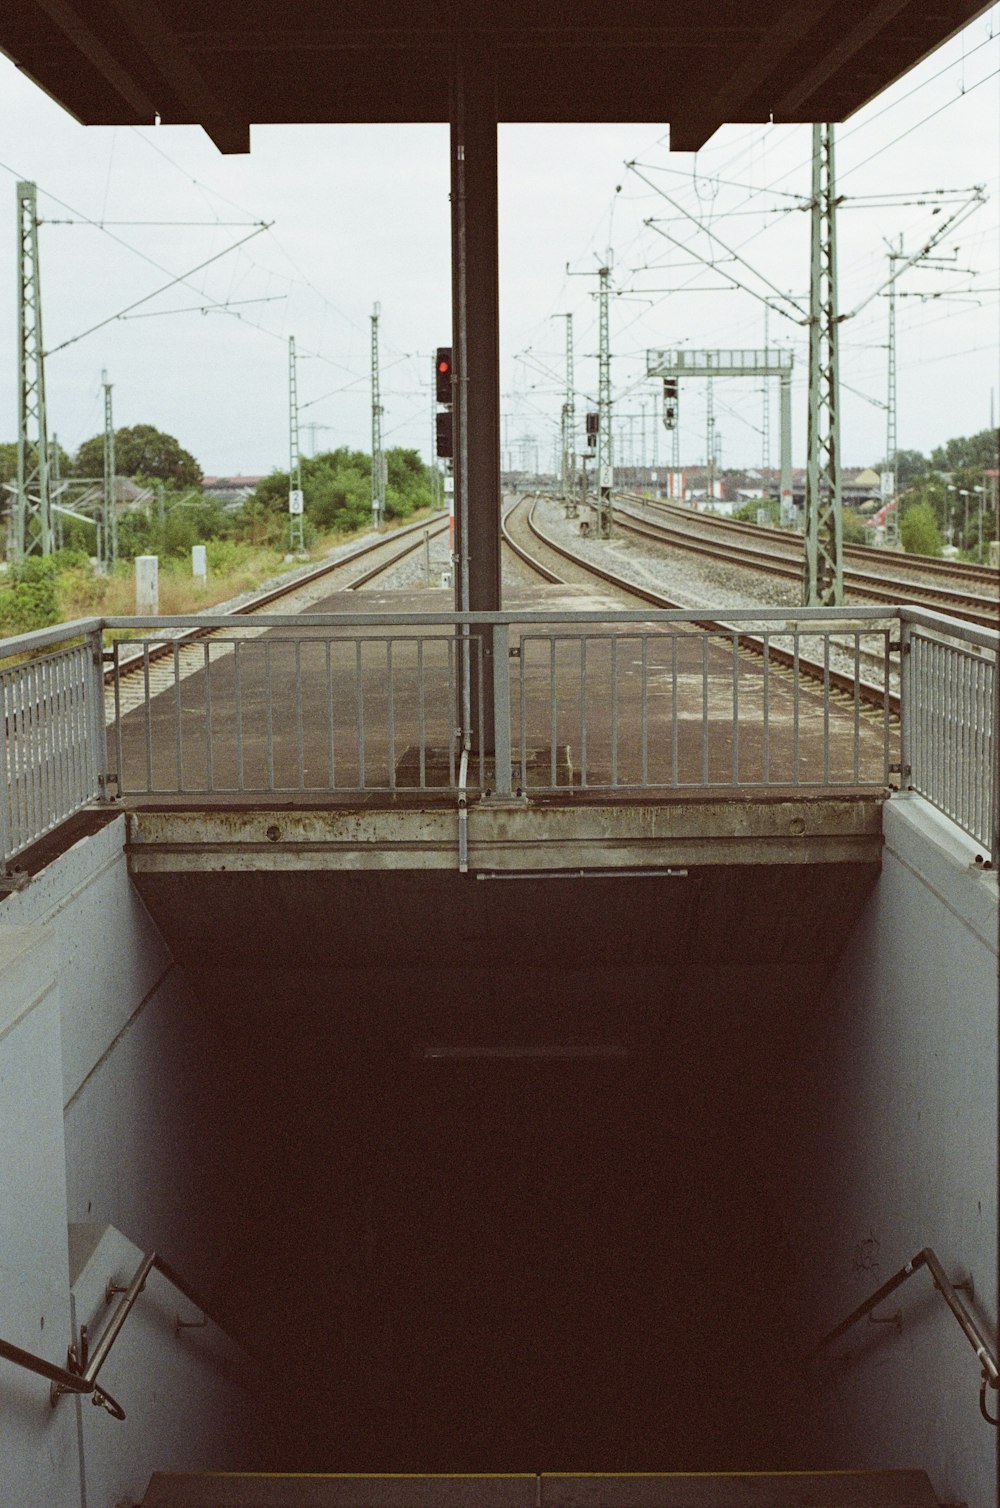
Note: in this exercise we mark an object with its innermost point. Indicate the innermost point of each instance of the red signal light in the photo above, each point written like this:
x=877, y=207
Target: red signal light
x=443, y=374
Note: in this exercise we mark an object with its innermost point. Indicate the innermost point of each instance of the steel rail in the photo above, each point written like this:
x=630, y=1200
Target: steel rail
x=920, y=565
x=971, y=607
x=261, y=600
x=873, y=696
x=60, y=635
x=948, y=1291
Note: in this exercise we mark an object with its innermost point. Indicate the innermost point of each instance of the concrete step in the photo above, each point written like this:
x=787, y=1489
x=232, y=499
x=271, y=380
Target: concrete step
x=834, y=1489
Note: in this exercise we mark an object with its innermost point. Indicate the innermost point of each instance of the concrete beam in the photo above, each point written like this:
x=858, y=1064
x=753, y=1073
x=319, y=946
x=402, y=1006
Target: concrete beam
x=604, y=835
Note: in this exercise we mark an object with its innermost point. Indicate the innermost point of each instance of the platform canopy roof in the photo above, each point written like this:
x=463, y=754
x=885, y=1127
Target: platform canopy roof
x=225, y=64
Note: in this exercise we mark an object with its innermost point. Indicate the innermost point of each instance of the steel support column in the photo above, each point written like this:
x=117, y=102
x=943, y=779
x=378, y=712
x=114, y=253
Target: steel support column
x=296, y=505
x=32, y=523
x=824, y=574
x=787, y=504
x=110, y=478
x=378, y=459
x=605, y=441
x=890, y=519
x=476, y=344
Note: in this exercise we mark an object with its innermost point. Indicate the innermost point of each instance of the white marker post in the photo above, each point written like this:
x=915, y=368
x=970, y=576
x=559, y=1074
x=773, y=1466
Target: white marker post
x=147, y=585
x=199, y=562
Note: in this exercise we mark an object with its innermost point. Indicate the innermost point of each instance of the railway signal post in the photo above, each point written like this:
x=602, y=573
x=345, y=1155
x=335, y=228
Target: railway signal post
x=671, y=366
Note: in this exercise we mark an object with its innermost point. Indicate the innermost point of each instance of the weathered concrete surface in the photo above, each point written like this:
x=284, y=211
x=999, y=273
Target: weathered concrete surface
x=555, y=835
x=903, y=1078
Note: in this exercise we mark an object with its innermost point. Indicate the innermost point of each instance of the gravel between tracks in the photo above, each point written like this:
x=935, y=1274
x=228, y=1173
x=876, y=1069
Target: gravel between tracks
x=690, y=581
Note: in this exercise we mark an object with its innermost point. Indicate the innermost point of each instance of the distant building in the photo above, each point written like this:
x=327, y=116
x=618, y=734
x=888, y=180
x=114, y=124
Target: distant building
x=231, y=490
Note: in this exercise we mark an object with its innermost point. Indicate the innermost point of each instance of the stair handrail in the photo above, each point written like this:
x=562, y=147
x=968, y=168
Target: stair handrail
x=83, y=1365
x=926, y=1257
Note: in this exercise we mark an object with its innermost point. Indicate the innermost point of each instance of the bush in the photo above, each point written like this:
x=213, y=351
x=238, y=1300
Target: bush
x=29, y=599
x=338, y=494
x=854, y=531
x=918, y=530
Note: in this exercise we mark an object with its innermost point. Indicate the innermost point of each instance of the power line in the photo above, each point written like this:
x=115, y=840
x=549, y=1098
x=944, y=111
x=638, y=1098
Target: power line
x=181, y=278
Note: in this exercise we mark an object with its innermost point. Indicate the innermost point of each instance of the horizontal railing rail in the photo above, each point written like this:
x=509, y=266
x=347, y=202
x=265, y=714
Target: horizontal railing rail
x=84, y=1365
x=596, y=700
x=990, y=1371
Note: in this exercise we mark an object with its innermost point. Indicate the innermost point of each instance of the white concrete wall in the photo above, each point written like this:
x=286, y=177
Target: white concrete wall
x=905, y=1095
x=185, y=1392
x=38, y=1449
x=103, y=1119
x=137, y=1104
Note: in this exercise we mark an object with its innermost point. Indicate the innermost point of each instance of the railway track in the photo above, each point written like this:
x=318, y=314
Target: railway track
x=132, y=678
x=916, y=565
x=783, y=557
x=521, y=517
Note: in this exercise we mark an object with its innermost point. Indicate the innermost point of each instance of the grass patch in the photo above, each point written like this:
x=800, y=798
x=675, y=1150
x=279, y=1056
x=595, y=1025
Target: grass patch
x=63, y=588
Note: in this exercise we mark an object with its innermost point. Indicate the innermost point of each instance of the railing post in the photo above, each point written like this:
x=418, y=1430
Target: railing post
x=501, y=709
x=905, y=700
x=6, y=784
x=98, y=735
x=994, y=771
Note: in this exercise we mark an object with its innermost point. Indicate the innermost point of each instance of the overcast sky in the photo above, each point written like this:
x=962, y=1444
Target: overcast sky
x=361, y=215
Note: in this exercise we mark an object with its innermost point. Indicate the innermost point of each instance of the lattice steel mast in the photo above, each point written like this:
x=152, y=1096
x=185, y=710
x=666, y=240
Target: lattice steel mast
x=32, y=515
x=676, y=489
x=110, y=539
x=710, y=440
x=824, y=574
x=890, y=520
x=605, y=447
x=765, y=431
x=296, y=501
x=569, y=429
x=378, y=460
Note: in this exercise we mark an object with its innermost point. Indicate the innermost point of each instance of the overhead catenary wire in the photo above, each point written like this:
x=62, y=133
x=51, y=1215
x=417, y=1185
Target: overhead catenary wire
x=181, y=278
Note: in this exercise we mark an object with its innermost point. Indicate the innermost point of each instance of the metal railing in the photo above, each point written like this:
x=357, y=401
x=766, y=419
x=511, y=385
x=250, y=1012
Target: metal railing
x=51, y=734
x=83, y=1365
x=592, y=701
x=990, y=1372
x=951, y=714
x=587, y=701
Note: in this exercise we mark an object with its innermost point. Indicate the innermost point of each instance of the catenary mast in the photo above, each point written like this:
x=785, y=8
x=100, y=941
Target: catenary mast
x=296, y=502
x=32, y=515
x=378, y=459
x=824, y=574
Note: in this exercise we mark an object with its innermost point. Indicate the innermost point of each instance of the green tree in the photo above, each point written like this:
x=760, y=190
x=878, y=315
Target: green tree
x=977, y=452
x=8, y=459
x=910, y=466
x=337, y=488
x=141, y=450
x=919, y=531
